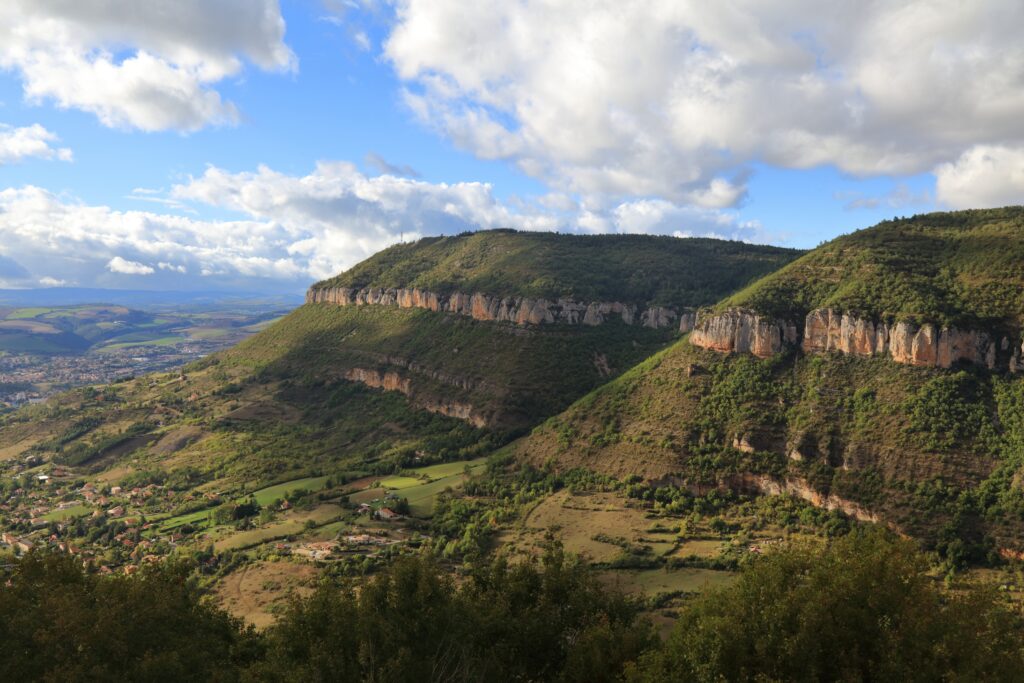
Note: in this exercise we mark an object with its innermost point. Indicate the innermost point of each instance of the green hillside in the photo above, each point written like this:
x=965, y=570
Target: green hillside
x=636, y=269
x=939, y=454
x=962, y=268
x=291, y=413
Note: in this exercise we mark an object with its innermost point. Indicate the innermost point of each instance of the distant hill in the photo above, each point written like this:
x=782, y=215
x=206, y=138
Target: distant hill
x=76, y=296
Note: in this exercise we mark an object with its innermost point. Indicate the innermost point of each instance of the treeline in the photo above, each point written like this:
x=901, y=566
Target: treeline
x=861, y=609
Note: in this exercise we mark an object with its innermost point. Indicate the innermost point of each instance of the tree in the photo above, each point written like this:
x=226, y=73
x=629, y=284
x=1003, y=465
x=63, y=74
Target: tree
x=862, y=609
x=59, y=623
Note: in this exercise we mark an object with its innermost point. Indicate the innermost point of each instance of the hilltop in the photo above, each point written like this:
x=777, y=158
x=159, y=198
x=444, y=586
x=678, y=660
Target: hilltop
x=958, y=268
x=633, y=269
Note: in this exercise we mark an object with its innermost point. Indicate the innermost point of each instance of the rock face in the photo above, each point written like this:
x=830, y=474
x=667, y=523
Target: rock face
x=517, y=310
x=826, y=329
x=801, y=489
x=392, y=381
x=740, y=331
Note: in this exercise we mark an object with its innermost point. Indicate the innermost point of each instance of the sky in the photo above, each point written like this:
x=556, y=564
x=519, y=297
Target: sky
x=256, y=145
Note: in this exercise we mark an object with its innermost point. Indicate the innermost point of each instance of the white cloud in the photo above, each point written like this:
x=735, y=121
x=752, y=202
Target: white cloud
x=47, y=281
x=983, y=176
x=671, y=99
x=294, y=229
x=120, y=265
x=336, y=216
x=149, y=65
x=17, y=144
x=171, y=267
x=42, y=233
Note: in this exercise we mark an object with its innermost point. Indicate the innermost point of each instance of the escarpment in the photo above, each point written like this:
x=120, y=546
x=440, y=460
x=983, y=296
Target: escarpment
x=927, y=345
x=516, y=310
x=743, y=332
x=392, y=381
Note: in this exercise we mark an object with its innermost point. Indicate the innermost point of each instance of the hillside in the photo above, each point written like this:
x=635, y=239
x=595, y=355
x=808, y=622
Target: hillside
x=336, y=406
x=960, y=268
x=936, y=451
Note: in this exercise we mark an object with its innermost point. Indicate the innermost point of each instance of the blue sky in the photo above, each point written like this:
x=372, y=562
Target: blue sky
x=256, y=145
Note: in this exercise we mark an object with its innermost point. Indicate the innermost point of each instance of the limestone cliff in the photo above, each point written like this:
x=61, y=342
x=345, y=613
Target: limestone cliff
x=517, y=310
x=740, y=331
x=393, y=381
x=825, y=329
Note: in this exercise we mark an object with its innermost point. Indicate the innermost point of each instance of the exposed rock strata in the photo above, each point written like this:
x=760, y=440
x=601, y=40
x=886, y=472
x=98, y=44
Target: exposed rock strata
x=801, y=489
x=739, y=331
x=517, y=310
x=393, y=381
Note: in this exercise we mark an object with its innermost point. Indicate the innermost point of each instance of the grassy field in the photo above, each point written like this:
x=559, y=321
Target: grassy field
x=290, y=524
x=255, y=591
x=23, y=313
x=654, y=581
x=268, y=495
x=68, y=513
x=421, y=494
x=159, y=341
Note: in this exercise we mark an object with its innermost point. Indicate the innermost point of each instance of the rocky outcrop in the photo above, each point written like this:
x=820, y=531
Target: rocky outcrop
x=392, y=381
x=517, y=310
x=799, y=488
x=927, y=345
x=687, y=321
x=826, y=329
x=740, y=331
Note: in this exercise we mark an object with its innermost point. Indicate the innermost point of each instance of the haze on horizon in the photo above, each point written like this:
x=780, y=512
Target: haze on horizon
x=256, y=145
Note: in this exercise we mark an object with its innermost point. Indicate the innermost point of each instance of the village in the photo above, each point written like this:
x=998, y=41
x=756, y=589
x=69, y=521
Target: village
x=118, y=528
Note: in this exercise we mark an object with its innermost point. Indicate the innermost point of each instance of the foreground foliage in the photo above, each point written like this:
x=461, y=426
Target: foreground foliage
x=862, y=608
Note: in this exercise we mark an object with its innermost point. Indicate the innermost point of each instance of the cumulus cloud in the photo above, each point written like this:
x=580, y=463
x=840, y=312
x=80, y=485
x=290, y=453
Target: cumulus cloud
x=295, y=229
x=983, y=176
x=98, y=246
x=17, y=144
x=671, y=99
x=336, y=216
x=149, y=65
x=125, y=267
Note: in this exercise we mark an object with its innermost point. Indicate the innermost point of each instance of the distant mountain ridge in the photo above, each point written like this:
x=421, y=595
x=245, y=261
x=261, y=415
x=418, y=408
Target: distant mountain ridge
x=73, y=296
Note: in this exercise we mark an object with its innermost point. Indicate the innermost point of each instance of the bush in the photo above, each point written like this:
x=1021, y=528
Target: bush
x=861, y=610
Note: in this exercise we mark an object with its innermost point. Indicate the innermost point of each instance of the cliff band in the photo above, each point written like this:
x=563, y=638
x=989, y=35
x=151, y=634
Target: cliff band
x=743, y=331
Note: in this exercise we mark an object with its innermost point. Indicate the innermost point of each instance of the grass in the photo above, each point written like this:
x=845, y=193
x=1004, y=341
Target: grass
x=629, y=268
x=23, y=313
x=67, y=513
x=653, y=581
x=268, y=495
x=292, y=524
x=207, y=332
x=960, y=268
x=398, y=483
x=160, y=341
x=422, y=494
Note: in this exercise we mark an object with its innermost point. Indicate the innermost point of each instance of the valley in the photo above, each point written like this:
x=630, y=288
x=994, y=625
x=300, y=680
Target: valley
x=667, y=435
x=48, y=349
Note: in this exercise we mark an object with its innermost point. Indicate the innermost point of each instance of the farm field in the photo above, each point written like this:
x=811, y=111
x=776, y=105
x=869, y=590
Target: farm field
x=255, y=591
